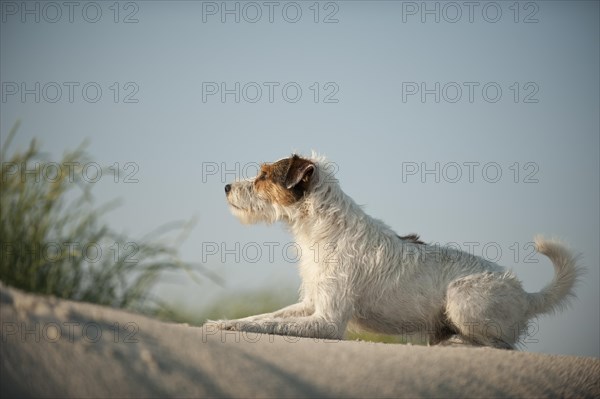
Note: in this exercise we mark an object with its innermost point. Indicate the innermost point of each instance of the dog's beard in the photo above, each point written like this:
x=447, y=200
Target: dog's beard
x=247, y=215
x=244, y=216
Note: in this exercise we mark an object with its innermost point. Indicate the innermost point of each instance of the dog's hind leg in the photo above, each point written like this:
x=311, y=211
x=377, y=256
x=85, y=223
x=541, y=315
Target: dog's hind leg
x=487, y=309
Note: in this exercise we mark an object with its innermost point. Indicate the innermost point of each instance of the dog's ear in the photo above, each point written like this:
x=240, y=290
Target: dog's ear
x=300, y=171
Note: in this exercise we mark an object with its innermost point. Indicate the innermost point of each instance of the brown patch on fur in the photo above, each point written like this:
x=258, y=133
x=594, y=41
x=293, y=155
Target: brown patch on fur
x=275, y=178
x=413, y=238
x=299, y=173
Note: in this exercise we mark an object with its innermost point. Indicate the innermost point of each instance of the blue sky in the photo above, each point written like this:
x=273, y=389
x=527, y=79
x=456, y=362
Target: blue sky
x=418, y=116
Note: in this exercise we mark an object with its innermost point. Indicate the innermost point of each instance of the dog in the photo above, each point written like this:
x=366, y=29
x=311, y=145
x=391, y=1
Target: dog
x=356, y=271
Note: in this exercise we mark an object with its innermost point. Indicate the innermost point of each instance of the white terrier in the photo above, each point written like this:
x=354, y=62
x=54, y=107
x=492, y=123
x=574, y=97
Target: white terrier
x=356, y=270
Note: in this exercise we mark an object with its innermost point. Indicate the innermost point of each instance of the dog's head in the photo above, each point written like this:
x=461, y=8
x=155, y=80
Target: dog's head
x=277, y=193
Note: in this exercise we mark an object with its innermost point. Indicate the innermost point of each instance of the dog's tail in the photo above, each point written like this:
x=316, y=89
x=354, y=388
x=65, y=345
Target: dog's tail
x=556, y=295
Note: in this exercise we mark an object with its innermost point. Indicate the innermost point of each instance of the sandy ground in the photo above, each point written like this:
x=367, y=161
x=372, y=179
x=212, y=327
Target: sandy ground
x=56, y=348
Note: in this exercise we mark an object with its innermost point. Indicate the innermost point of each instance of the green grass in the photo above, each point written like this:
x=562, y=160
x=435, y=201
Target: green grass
x=50, y=233
x=374, y=337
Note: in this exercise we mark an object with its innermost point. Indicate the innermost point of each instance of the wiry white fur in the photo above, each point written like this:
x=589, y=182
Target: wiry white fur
x=356, y=270
x=556, y=295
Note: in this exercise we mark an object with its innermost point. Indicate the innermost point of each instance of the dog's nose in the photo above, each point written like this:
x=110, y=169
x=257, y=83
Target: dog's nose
x=227, y=188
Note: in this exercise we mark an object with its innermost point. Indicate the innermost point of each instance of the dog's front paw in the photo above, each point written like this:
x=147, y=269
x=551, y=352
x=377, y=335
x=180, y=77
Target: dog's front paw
x=241, y=325
x=221, y=324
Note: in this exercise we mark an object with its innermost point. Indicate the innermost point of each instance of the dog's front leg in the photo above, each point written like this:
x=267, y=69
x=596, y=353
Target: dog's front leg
x=308, y=326
x=296, y=310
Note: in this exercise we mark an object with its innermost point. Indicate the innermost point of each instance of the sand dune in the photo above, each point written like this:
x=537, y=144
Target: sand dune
x=57, y=348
